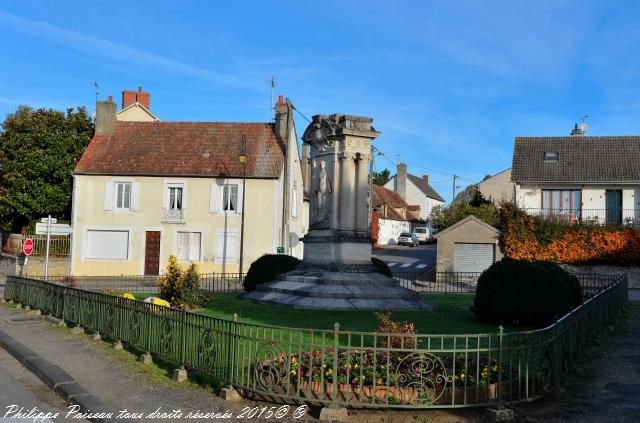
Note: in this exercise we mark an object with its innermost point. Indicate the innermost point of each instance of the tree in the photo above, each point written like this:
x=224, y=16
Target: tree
x=38, y=152
x=473, y=203
x=381, y=178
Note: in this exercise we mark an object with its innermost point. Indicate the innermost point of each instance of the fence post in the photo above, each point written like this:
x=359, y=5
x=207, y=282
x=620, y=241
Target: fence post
x=334, y=376
x=501, y=329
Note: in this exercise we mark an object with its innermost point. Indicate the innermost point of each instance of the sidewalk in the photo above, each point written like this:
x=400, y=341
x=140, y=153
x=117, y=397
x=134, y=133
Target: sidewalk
x=115, y=377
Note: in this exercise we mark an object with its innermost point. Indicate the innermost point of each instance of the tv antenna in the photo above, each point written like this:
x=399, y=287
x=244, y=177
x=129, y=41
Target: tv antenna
x=584, y=127
x=272, y=107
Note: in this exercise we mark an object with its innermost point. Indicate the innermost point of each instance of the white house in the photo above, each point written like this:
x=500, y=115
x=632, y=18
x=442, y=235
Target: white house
x=579, y=179
x=394, y=215
x=415, y=190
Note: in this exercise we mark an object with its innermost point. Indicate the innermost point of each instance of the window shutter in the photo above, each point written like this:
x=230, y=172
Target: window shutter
x=183, y=246
x=194, y=246
x=214, y=199
x=239, y=208
x=135, y=196
x=108, y=195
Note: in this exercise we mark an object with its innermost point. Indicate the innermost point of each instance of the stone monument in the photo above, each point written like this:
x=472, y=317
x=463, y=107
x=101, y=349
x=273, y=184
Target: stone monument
x=336, y=272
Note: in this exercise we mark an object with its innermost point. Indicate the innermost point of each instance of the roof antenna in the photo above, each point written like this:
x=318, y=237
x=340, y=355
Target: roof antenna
x=272, y=106
x=583, y=126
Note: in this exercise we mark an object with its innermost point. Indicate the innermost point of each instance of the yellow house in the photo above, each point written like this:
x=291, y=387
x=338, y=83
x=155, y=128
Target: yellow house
x=146, y=190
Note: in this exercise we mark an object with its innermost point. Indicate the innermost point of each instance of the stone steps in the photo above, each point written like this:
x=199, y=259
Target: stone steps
x=347, y=304
x=316, y=290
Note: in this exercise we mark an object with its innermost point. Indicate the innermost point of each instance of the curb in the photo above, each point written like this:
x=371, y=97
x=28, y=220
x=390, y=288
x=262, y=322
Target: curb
x=55, y=378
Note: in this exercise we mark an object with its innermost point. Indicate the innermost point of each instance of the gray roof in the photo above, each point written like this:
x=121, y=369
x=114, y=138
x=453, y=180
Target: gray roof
x=580, y=159
x=424, y=187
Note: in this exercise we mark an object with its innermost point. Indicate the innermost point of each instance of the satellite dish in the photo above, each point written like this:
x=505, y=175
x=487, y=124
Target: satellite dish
x=584, y=127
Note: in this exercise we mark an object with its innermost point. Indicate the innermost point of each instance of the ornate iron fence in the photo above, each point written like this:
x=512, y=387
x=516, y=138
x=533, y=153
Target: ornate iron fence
x=355, y=369
x=209, y=282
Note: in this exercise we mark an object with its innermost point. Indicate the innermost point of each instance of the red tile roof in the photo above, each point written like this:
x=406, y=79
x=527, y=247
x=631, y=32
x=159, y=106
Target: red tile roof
x=393, y=200
x=184, y=149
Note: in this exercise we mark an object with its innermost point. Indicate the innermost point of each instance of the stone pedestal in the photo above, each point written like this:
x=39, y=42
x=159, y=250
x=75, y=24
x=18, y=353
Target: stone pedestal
x=336, y=272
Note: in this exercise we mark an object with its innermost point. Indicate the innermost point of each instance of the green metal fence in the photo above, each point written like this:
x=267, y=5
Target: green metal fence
x=354, y=369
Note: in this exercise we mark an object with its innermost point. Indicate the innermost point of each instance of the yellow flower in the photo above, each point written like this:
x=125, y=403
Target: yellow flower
x=329, y=372
x=462, y=376
x=494, y=368
x=293, y=372
x=128, y=296
x=348, y=366
x=324, y=366
x=355, y=366
x=378, y=381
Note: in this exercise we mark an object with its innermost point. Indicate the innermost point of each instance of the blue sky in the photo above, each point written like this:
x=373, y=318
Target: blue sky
x=448, y=83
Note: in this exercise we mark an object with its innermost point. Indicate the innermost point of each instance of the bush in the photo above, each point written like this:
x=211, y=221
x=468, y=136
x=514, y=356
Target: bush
x=381, y=266
x=180, y=288
x=387, y=325
x=524, y=292
x=266, y=268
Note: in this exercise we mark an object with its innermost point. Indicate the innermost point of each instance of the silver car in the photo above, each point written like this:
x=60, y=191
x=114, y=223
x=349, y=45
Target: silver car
x=408, y=238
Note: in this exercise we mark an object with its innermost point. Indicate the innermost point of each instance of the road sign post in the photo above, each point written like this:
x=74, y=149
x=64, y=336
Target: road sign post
x=46, y=258
x=27, y=249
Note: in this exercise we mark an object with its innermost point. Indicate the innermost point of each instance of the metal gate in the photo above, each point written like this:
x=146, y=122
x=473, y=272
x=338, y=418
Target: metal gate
x=472, y=257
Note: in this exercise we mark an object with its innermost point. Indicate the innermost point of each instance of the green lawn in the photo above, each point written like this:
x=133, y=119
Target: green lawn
x=451, y=315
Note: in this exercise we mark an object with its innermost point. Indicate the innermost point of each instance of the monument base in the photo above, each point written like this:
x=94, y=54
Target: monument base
x=337, y=287
x=327, y=252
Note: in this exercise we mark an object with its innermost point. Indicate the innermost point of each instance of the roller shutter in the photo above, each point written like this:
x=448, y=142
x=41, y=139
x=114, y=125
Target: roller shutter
x=472, y=257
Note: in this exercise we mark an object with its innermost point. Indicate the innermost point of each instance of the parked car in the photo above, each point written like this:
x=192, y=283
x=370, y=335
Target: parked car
x=424, y=234
x=408, y=238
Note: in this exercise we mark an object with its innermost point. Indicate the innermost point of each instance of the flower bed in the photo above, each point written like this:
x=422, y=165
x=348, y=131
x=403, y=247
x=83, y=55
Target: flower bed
x=394, y=377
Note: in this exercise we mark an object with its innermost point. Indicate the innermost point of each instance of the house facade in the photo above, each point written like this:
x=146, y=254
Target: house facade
x=415, y=190
x=146, y=190
x=499, y=187
x=394, y=216
x=579, y=179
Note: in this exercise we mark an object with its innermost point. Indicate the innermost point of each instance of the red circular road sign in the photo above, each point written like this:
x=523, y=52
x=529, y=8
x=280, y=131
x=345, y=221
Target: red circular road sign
x=27, y=248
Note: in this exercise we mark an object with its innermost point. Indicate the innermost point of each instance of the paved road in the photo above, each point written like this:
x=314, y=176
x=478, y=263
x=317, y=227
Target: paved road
x=21, y=388
x=408, y=259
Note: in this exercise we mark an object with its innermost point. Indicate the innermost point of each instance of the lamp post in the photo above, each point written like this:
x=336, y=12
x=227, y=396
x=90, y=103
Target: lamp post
x=242, y=157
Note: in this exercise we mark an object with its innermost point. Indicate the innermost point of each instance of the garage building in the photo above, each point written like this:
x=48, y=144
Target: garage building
x=468, y=246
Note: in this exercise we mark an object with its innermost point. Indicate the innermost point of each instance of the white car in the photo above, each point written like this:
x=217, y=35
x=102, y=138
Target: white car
x=424, y=234
x=408, y=238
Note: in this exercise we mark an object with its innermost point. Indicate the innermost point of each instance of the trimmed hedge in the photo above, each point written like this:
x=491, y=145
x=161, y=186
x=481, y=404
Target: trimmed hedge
x=525, y=292
x=266, y=268
x=381, y=266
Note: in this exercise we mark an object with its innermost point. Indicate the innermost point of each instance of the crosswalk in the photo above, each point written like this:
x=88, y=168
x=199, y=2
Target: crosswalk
x=407, y=266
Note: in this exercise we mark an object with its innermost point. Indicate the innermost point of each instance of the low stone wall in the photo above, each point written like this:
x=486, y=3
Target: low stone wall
x=633, y=272
x=10, y=265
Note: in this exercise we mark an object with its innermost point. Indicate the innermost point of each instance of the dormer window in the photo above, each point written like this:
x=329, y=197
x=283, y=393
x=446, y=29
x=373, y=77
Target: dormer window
x=550, y=156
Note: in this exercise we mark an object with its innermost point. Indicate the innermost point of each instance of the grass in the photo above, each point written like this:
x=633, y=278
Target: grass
x=451, y=315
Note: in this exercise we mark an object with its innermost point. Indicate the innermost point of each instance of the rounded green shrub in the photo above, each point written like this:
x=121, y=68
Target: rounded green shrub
x=266, y=268
x=381, y=266
x=524, y=292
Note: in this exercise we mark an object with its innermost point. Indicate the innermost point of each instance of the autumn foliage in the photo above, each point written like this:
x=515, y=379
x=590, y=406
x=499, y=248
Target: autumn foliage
x=527, y=237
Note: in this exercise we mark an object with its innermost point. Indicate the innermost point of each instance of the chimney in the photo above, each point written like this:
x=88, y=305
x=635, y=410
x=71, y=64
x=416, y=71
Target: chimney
x=282, y=110
x=105, y=116
x=425, y=179
x=576, y=132
x=401, y=181
x=130, y=97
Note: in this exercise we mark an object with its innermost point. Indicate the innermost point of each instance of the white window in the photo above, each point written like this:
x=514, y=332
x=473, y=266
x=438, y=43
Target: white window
x=230, y=197
x=105, y=244
x=189, y=246
x=175, y=196
x=123, y=195
x=226, y=247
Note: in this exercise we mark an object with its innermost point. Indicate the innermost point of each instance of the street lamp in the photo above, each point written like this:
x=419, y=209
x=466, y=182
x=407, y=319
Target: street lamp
x=242, y=157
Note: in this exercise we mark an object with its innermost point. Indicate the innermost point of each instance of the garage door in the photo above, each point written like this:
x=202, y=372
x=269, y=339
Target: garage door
x=472, y=257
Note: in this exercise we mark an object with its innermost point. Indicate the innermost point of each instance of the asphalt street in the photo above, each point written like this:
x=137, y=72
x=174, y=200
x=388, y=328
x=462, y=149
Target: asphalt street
x=21, y=391
x=408, y=259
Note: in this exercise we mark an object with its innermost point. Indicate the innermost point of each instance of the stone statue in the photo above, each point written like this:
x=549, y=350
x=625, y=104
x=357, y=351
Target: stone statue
x=321, y=190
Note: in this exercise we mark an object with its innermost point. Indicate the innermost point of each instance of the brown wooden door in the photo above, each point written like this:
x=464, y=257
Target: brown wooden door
x=152, y=253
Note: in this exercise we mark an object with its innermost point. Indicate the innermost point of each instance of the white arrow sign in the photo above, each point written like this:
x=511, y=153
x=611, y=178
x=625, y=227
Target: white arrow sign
x=45, y=219
x=56, y=229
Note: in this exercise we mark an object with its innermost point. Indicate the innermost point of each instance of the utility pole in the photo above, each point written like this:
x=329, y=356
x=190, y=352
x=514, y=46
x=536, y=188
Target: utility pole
x=454, y=188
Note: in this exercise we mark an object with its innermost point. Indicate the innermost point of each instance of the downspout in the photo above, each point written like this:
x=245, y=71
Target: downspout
x=73, y=224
